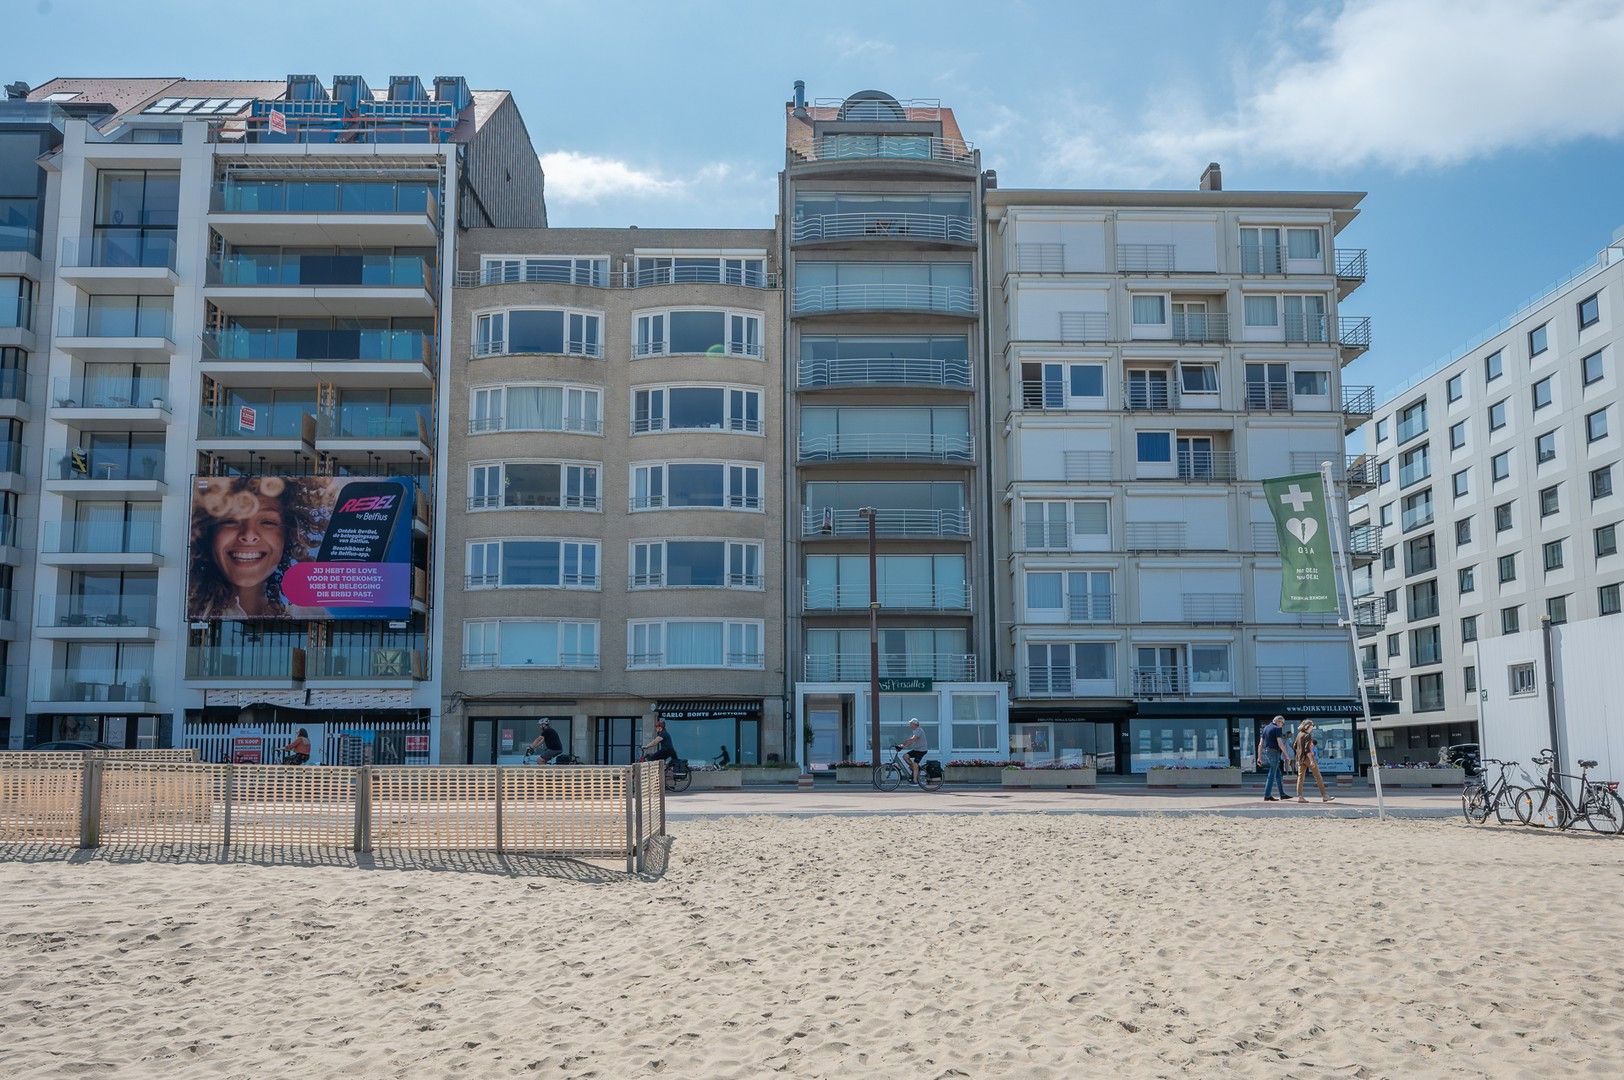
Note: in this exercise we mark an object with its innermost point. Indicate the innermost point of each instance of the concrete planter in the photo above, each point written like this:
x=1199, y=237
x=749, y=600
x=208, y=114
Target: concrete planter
x=716, y=781
x=1440, y=777
x=1048, y=778
x=854, y=774
x=1193, y=778
x=974, y=774
x=754, y=776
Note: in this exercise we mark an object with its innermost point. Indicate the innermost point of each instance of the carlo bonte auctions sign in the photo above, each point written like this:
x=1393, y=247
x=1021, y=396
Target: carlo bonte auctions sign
x=1307, y=576
x=306, y=547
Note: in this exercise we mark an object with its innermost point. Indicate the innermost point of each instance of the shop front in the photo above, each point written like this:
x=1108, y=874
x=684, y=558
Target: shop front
x=503, y=739
x=961, y=721
x=258, y=734
x=714, y=730
x=1069, y=736
x=1217, y=734
x=148, y=732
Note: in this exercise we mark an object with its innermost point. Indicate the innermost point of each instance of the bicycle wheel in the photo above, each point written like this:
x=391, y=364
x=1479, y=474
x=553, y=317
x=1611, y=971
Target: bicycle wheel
x=1522, y=805
x=888, y=777
x=1550, y=810
x=1473, y=805
x=929, y=782
x=1604, y=811
x=680, y=780
x=1505, y=807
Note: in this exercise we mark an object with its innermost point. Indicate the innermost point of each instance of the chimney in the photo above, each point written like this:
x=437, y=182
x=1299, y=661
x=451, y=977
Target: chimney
x=990, y=178
x=1212, y=177
x=800, y=98
x=16, y=91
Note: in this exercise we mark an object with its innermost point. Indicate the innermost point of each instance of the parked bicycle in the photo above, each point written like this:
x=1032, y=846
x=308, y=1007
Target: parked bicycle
x=1599, y=805
x=1478, y=801
x=890, y=776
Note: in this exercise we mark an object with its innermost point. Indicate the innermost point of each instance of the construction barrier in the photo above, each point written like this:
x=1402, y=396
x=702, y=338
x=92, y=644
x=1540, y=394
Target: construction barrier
x=92, y=800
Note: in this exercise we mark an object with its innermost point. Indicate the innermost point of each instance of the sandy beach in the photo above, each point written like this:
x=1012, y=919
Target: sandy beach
x=925, y=946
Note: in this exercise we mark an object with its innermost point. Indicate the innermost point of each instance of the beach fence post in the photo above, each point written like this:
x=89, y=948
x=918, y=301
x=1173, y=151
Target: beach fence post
x=363, y=808
x=630, y=778
x=231, y=792
x=499, y=809
x=639, y=778
x=90, y=802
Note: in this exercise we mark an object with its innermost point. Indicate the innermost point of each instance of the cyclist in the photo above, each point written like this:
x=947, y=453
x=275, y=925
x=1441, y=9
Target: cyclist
x=916, y=744
x=546, y=742
x=297, y=752
x=660, y=748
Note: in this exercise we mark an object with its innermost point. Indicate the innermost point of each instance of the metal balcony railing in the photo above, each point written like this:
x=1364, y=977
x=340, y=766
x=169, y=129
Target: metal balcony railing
x=934, y=228
x=1201, y=466
x=1033, y=258
x=573, y=347
x=747, y=425
x=133, y=247
x=365, y=662
x=1145, y=258
x=1351, y=264
x=1370, y=615
x=660, y=660
x=889, y=148
x=1378, y=683
x=1149, y=396
x=102, y=322
x=1358, y=400
x=380, y=346
x=1156, y=535
x=1087, y=464
x=1278, y=681
x=942, y=449
x=663, y=347
x=1213, y=607
x=1039, y=395
x=364, y=271
x=875, y=296
x=1091, y=607
x=1200, y=327
x=878, y=110
x=78, y=610
x=1354, y=469
x=1263, y=258
x=942, y=596
x=1045, y=681
x=1048, y=535
x=101, y=537
x=1306, y=329
x=567, y=661
x=1365, y=541
x=236, y=662
x=893, y=524
x=562, y=272
x=494, y=581
x=519, y=500
x=1265, y=537
x=111, y=392
x=662, y=502
x=663, y=581
x=1353, y=332
x=718, y=273
x=853, y=667
x=581, y=425
x=1084, y=326
x=1160, y=681
x=892, y=371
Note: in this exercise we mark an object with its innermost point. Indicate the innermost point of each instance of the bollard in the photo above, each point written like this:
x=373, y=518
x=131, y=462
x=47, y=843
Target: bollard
x=90, y=803
x=363, y=808
x=231, y=786
x=499, y=809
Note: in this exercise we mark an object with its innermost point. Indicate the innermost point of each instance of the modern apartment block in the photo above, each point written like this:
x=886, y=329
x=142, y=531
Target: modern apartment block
x=614, y=541
x=885, y=371
x=1155, y=355
x=1498, y=479
x=246, y=364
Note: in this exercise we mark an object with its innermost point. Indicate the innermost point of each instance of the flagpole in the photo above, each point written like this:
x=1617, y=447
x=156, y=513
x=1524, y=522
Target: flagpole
x=1353, y=633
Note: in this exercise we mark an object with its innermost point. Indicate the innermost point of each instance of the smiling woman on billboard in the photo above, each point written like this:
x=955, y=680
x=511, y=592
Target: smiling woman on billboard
x=246, y=532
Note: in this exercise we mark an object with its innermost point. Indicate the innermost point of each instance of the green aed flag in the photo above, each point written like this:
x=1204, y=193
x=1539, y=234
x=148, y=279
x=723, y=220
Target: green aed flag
x=1307, y=574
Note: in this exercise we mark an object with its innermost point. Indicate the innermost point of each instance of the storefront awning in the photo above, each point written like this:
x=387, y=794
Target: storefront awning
x=1038, y=714
x=707, y=708
x=1297, y=707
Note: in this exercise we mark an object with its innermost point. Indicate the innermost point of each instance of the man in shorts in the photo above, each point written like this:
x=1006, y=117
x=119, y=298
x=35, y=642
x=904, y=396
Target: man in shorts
x=916, y=745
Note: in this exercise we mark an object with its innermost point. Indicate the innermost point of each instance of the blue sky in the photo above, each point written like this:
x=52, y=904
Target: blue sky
x=1484, y=131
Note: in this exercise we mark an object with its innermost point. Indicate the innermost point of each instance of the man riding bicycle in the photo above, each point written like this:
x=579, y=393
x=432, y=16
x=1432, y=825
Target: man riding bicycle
x=660, y=748
x=546, y=744
x=916, y=744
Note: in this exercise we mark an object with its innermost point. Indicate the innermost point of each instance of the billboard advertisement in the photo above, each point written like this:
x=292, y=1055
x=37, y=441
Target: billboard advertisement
x=300, y=547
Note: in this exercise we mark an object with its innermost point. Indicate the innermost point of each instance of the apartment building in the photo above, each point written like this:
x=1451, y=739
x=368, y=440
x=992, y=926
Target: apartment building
x=244, y=375
x=1155, y=355
x=1497, y=496
x=614, y=542
x=28, y=132
x=880, y=204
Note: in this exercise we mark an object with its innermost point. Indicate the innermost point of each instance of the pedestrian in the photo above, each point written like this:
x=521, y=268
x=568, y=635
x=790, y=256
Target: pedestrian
x=1308, y=760
x=1271, y=753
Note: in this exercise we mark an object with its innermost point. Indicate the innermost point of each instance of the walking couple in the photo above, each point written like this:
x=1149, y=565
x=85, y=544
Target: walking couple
x=1273, y=753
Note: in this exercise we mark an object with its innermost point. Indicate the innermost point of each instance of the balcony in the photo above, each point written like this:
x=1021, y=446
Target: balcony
x=1377, y=683
x=131, y=544
x=955, y=300
x=853, y=667
x=105, y=471
x=830, y=523
x=1200, y=328
x=287, y=428
x=1358, y=405
x=1085, y=608
x=527, y=500
x=375, y=665
x=902, y=447
x=1160, y=681
x=1213, y=608
x=1353, y=335
x=1370, y=616
x=1351, y=265
x=93, y=689
x=747, y=582
x=378, y=433
x=893, y=150
x=916, y=372
x=1086, y=465
x=918, y=229
x=366, y=285
x=124, y=261
x=935, y=597
x=566, y=425
x=560, y=662
x=1284, y=682
x=1146, y=258
x=1358, y=471
x=1156, y=536
x=325, y=212
x=1043, y=681
x=13, y=387
x=1149, y=396
x=111, y=402
x=231, y=665
x=12, y=456
x=131, y=334
x=86, y=617
x=1084, y=327
x=662, y=502
x=1364, y=544
x=293, y=357
x=1207, y=466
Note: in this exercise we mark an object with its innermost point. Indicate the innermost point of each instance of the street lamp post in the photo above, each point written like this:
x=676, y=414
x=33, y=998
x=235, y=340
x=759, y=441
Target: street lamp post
x=872, y=515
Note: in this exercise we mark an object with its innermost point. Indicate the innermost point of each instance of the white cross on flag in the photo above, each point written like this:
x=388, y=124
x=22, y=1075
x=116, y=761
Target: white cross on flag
x=1307, y=576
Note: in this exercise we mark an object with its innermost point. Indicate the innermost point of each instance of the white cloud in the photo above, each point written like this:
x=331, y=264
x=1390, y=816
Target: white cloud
x=573, y=177
x=852, y=47
x=1399, y=83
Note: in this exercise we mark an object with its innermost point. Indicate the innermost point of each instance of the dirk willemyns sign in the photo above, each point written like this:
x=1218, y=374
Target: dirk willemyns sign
x=1307, y=575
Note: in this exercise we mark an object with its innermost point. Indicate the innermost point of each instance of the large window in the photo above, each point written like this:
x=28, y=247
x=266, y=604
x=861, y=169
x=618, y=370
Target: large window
x=1601, y=482
x=539, y=564
x=538, y=330
x=136, y=214
x=1493, y=366
x=536, y=408
x=1538, y=340
x=1498, y=414
x=1080, y=596
x=1455, y=388
x=1418, y=509
x=1062, y=668
x=746, y=270
x=529, y=643
x=870, y=286
x=542, y=485
x=1543, y=392
x=698, y=332
x=17, y=302
x=925, y=582
x=864, y=432
x=1412, y=421
x=1429, y=692
x=1596, y=426
x=1059, y=525
x=1173, y=743
x=1419, y=555
x=1414, y=465
x=1550, y=500
x=696, y=408
x=942, y=360
x=842, y=655
x=696, y=485
x=1606, y=538
x=561, y=269
x=695, y=564
x=1589, y=311
x=1593, y=368
x=1423, y=600
x=1426, y=646
x=1507, y=568
x=695, y=643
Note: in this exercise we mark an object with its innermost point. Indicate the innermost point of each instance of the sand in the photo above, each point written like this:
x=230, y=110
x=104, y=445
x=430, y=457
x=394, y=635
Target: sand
x=926, y=946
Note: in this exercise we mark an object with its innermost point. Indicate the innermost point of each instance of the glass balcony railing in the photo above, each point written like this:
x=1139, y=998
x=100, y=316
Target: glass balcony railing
x=853, y=667
x=364, y=662
x=900, y=147
x=77, y=610
x=369, y=424
x=121, y=247
x=927, y=524
x=238, y=662
x=14, y=384
x=893, y=371
x=11, y=457
x=116, y=322
x=906, y=446
x=936, y=596
x=106, y=464
x=874, y=296
x=111, y=392
x=94, y=683
x=928, y=228
x=360, y=270
x=322, y=197
x=8, y=529
x=101, y=537
x=249, y=422
x=378, y=346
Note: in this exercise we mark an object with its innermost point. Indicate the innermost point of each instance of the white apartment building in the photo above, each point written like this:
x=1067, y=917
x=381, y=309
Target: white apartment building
x=1497, y=496
x=1155, y=355
x=247, y=293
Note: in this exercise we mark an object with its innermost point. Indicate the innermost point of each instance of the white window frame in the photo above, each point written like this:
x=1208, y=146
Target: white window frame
x=735, y=404
x=590, y=270
x=1522, y=679
x=646, y=641
x=1155, y=331
x=647, y=564
x=572, y=474
x=486, y=557
x=736, y=483
x=747, y=269
x=490, y=331
x=487, y=408
x=486, y=634
x=1091, y=611
x=651, y=332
